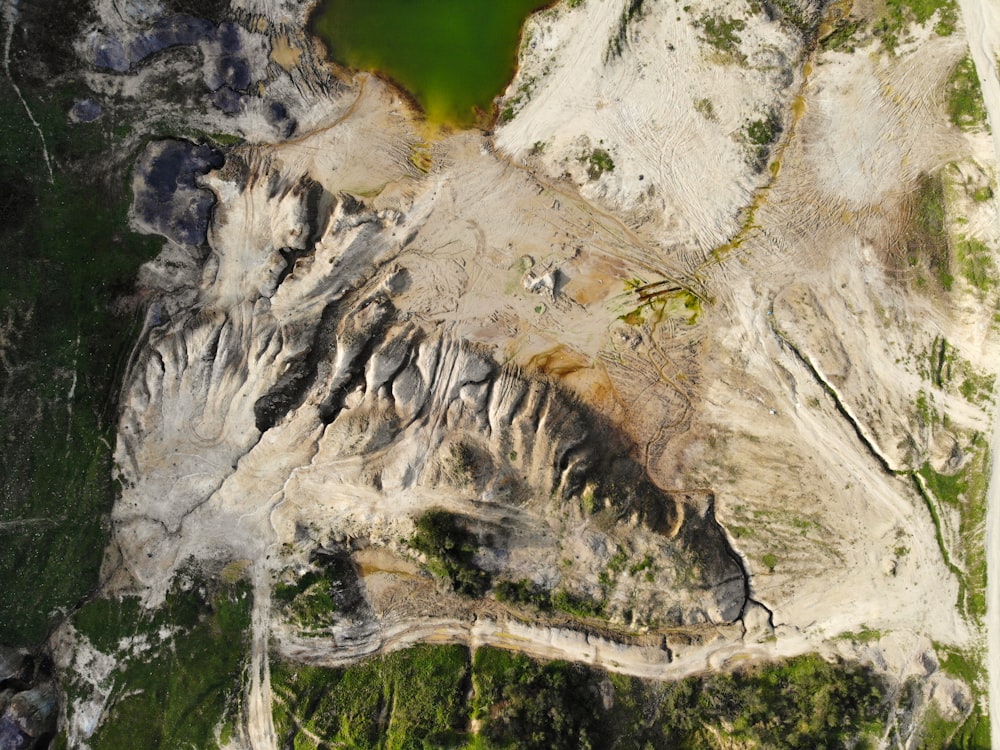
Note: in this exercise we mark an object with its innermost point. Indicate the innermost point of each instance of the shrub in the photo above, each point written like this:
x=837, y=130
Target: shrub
x=598, y=163
x=451, y=548
x=723, y=35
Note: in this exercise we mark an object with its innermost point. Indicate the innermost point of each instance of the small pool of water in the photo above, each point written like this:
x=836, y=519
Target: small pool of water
x=452, y=56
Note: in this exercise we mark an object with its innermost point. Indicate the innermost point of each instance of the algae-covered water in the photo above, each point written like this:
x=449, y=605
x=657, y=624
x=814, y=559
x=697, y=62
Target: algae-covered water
x=453, y=56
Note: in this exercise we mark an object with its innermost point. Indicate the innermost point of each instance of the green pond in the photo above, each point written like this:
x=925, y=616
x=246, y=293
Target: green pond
x=453, y=56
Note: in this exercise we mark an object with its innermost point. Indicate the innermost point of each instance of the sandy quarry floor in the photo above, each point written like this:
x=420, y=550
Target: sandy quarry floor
x=780, y=377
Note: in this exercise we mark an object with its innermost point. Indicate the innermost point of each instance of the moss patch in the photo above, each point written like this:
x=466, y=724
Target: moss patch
x=899, y=14
x=966, y=107
x=926, y=240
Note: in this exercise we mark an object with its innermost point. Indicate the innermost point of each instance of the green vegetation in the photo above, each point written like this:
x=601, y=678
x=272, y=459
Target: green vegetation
x=926, y=240
x=759, y=135
x=181, y=666
x=804, y=702
x=526, y=592
x=588, y=501
x=770, y=560
x=418, y=698
x=408, y=699
x=865, y=635
x=315, y=596
x=309, y=599
x=723, y=35
x=451, y=549
x=977, y=388
x=964, y=665
x=523, y=95
x=901, y=13
x=523, y=591
x=982, y=194
x=573, y=603
x=645, y=564
x=966, y=107
x=453, y=56
x=706, y=109
x=762, y=132
x=67, y=255
x=617, y=42
x=939, y=371
x=528, y=704
x=225, y=139
x=105, y=622
x=976, y=263
x=974, y=732
x=577, y=605
x=841, y=38
x=945, y=369
x=615, y=566
x=947, y=488
x=939, y=733
x=658, y=301
x=598, y=162
x=966, y=492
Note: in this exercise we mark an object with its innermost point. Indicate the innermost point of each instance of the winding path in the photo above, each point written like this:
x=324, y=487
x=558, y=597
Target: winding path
x=648, y=662
x=9, y=15
x=260, y=720
x=982, y=19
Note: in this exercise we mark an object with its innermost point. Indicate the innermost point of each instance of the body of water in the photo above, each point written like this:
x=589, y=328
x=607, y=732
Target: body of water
x=452, y=56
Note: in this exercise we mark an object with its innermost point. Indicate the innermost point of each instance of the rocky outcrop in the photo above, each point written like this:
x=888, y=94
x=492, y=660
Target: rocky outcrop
x=232, y=55
x=167, y=199
x=28, y=707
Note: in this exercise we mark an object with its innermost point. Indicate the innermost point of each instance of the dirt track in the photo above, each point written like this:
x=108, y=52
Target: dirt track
x=544, y=643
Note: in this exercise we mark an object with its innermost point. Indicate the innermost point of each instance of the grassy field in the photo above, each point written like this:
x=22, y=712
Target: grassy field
x=965, y=97
x=65, y=254
x=424, y=698
x=180, y=673
x=409, y=699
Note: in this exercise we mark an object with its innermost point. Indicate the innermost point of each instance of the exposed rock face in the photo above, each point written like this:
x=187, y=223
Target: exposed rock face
x=227, y=49
x=297, y=380
x=168, y=200
x=225, y=63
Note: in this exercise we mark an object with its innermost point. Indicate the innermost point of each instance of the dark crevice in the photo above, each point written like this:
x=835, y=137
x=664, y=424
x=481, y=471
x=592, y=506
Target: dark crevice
x=354, y=376
x=291, y=256
x=737, y=560
x=212, y=348
x=318, y=203
x=870, y=446
x=290, y=390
